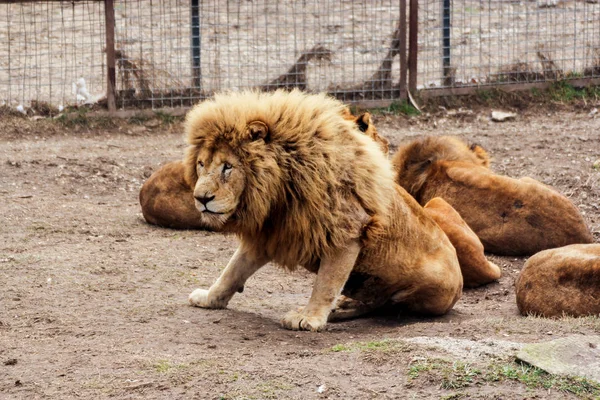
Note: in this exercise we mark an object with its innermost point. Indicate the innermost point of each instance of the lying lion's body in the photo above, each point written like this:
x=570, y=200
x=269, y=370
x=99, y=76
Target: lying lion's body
x=167, y=199
x=510, y=216
x=300, y=185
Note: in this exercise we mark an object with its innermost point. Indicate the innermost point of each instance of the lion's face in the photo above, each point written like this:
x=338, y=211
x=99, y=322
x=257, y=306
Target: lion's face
x=219, y=186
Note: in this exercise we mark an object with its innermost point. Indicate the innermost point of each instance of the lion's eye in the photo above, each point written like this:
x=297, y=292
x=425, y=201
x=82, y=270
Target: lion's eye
x=201, y=163
x=227, y=167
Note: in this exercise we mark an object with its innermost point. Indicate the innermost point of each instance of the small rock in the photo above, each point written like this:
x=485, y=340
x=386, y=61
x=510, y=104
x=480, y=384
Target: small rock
x=12, y=361
x=594, y=111
x=153, y=123
x=501, y=116
x=321, y=389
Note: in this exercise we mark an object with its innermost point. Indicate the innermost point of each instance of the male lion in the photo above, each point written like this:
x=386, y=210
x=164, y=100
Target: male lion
x=300, y=185
x=167, y=198
x=510, y=216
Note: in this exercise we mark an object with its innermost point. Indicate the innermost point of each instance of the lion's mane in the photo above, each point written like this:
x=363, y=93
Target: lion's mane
x=306, y=181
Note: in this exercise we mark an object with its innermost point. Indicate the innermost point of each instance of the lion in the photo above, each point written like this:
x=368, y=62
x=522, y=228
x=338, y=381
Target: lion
x=561, y=281
x=167, y=199
x=475, y=268
x=300, y=185
x=510, y=216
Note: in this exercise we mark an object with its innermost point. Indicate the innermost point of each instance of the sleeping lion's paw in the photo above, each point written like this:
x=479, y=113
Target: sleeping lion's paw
x=200, y=298
x=297, y=321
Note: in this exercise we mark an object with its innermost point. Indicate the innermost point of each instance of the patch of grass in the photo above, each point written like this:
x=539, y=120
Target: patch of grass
x=138, y=119
x=80, y=118
x=165, y=366
x=564, y=92
x=425, y=365
x=385, y=345
x=340, y=347
x=536, y=378
x=458, y=375
x=403, y=107
x=166, y=119
x=485, y=95
x=270, y=388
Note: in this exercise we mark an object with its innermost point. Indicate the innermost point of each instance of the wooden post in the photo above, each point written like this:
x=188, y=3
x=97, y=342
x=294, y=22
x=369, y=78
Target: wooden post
x=403, y=66
x=111, y=76
x=413, y=45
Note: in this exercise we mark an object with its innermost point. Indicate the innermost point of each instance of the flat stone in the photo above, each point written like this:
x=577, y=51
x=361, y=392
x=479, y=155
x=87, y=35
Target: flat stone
x=571, y=356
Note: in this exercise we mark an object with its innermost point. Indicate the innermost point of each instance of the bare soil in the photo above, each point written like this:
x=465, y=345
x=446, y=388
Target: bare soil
x=93, y=300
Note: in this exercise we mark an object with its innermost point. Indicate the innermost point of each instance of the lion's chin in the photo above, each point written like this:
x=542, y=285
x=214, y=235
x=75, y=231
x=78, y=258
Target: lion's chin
x=214, y=220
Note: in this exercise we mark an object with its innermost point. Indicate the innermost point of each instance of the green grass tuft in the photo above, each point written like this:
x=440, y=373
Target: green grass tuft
x=384, y=345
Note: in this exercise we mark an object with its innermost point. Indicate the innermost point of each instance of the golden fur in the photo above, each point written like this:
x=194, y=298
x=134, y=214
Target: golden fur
x=167, y=199
x=561, y=281
x=475, y=268
x=510, y=216
x=301, y=185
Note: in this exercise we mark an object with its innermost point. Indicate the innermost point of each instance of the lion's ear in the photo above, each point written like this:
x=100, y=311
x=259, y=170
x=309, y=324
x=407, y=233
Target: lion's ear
x=363, y=121
x=481, y=154
x=257, y=130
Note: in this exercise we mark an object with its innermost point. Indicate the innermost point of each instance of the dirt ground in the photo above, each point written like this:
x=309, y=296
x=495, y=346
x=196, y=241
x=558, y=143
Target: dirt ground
x=93, y=300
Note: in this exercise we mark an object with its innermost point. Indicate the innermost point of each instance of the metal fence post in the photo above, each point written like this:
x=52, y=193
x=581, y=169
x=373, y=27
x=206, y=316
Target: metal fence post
x=111, y=78
x=195, y=26
x=447, y=70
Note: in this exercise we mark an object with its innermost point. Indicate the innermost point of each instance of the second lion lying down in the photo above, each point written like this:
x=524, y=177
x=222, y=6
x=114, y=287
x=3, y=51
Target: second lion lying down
x=510, y=216
x=272, y=169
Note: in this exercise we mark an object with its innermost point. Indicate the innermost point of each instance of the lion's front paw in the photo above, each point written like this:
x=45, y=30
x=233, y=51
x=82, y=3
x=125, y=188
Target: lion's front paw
x=201, y=298
x=297, y=321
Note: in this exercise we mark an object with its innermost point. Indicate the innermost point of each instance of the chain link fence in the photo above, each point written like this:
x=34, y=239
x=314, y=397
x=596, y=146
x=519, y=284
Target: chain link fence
x=174, y=53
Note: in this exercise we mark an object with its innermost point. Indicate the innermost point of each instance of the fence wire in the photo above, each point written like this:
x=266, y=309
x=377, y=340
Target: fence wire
x=504, y=42
x=174, y=53
x=52, y=52
x=338, y=46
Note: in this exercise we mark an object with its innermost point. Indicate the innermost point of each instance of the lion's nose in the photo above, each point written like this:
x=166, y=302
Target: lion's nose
x=204, y=199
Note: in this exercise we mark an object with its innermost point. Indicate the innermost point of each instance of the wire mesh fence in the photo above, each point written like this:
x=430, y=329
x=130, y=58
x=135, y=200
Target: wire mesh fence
x=173, y=53
x=338, y=46
x=52, y=52
x=505, y=42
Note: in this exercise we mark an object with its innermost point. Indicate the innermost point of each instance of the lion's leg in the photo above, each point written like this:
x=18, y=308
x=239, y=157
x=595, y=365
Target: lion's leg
x=331, y=277
x=241, y=267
